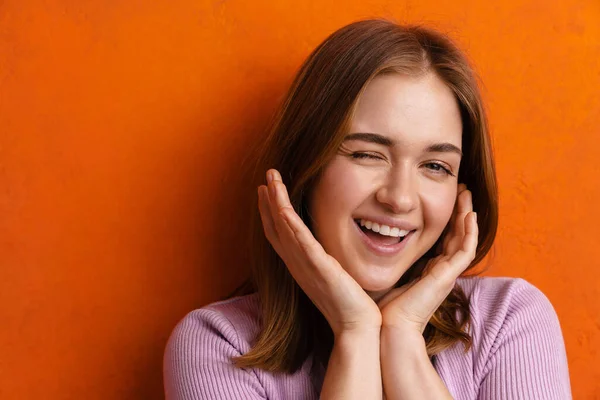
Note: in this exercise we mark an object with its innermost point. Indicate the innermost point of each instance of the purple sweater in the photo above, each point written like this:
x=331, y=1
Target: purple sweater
x=518, y=351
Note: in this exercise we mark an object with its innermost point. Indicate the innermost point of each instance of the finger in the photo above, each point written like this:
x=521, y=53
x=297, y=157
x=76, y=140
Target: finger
x=278, y=197
x=451, y=229
x=289, y=249
x=439, y=277
x=467, y=201
x=265, y=212
x=267, y=218
x=464, y=206
x=394, y=293
x=428, y=293
x=278, y=193
x=465, y=255
x=278, y=190
x=290, y=226
x=461, y=188
x=445, y=272
x=310, y=247
x=279, y=200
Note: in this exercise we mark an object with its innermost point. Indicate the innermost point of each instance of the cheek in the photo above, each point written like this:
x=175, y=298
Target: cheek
x=339, y=191
x=438, y=207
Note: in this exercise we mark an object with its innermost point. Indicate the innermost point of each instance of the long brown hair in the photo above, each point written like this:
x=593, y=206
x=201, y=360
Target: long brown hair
x=306, y=133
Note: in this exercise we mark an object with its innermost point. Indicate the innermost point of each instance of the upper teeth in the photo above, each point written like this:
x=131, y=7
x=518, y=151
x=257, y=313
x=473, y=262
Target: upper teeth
x=383, y=229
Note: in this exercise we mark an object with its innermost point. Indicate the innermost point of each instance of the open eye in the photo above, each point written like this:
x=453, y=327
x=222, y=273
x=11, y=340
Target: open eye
x=438, y=168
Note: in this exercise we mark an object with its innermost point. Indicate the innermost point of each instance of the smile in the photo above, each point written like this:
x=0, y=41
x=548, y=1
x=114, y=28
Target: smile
x=387, y=242
x=383, y=230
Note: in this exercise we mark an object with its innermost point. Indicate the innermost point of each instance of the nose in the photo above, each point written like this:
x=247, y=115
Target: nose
x=399, y=190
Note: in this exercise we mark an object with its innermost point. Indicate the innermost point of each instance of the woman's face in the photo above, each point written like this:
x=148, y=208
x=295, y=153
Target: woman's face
x=391, y=170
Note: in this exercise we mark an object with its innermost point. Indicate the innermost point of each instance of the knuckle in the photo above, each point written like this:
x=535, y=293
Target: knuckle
x=280, y=186
x=308, y=246
x=283, y=210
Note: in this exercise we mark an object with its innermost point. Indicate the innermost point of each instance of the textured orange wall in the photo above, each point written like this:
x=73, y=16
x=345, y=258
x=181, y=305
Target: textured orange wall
x=123, y=125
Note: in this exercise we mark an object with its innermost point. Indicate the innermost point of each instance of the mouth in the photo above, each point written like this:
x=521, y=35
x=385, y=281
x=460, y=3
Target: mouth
x=382, y=244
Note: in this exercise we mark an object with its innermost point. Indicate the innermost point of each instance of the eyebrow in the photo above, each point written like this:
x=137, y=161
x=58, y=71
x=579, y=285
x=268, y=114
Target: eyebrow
x=386, y=141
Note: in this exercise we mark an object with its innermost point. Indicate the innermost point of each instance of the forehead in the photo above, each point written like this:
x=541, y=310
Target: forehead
x=413, y=111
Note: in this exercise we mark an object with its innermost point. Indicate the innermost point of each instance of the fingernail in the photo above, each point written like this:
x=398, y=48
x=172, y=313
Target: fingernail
x=269, y=176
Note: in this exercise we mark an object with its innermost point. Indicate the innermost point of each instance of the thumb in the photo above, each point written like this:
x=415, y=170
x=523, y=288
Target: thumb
x=394, y=294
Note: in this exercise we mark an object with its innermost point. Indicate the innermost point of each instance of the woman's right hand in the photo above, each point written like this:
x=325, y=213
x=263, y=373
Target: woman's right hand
x=341, y=300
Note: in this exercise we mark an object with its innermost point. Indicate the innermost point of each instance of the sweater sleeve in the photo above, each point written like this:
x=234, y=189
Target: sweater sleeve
x=527, y=359
x=197, y=363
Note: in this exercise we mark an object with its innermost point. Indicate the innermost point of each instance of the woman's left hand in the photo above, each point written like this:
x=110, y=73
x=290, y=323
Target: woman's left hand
x=411, y=306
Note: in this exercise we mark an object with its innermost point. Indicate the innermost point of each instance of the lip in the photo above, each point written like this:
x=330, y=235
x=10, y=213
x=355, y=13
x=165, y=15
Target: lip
x=400, y=224
x=380, y=249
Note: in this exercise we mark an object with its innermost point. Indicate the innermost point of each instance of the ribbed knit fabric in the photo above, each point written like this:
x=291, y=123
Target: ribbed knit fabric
x=518, y=351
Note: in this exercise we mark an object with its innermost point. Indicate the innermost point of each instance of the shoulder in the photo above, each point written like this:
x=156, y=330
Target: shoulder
x=498, y=301
x=508, y=290
x=517, y=342
x=198, y=356
x=234, y=320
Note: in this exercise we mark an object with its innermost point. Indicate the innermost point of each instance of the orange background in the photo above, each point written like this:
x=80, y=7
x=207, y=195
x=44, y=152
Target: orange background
x=123, y=128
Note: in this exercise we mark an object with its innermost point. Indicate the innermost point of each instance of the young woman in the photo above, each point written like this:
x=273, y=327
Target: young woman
x=380, y=195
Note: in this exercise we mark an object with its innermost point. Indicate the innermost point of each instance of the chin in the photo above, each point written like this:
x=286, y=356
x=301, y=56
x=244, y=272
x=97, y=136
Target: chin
x=378, y=294
x=375, y=281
